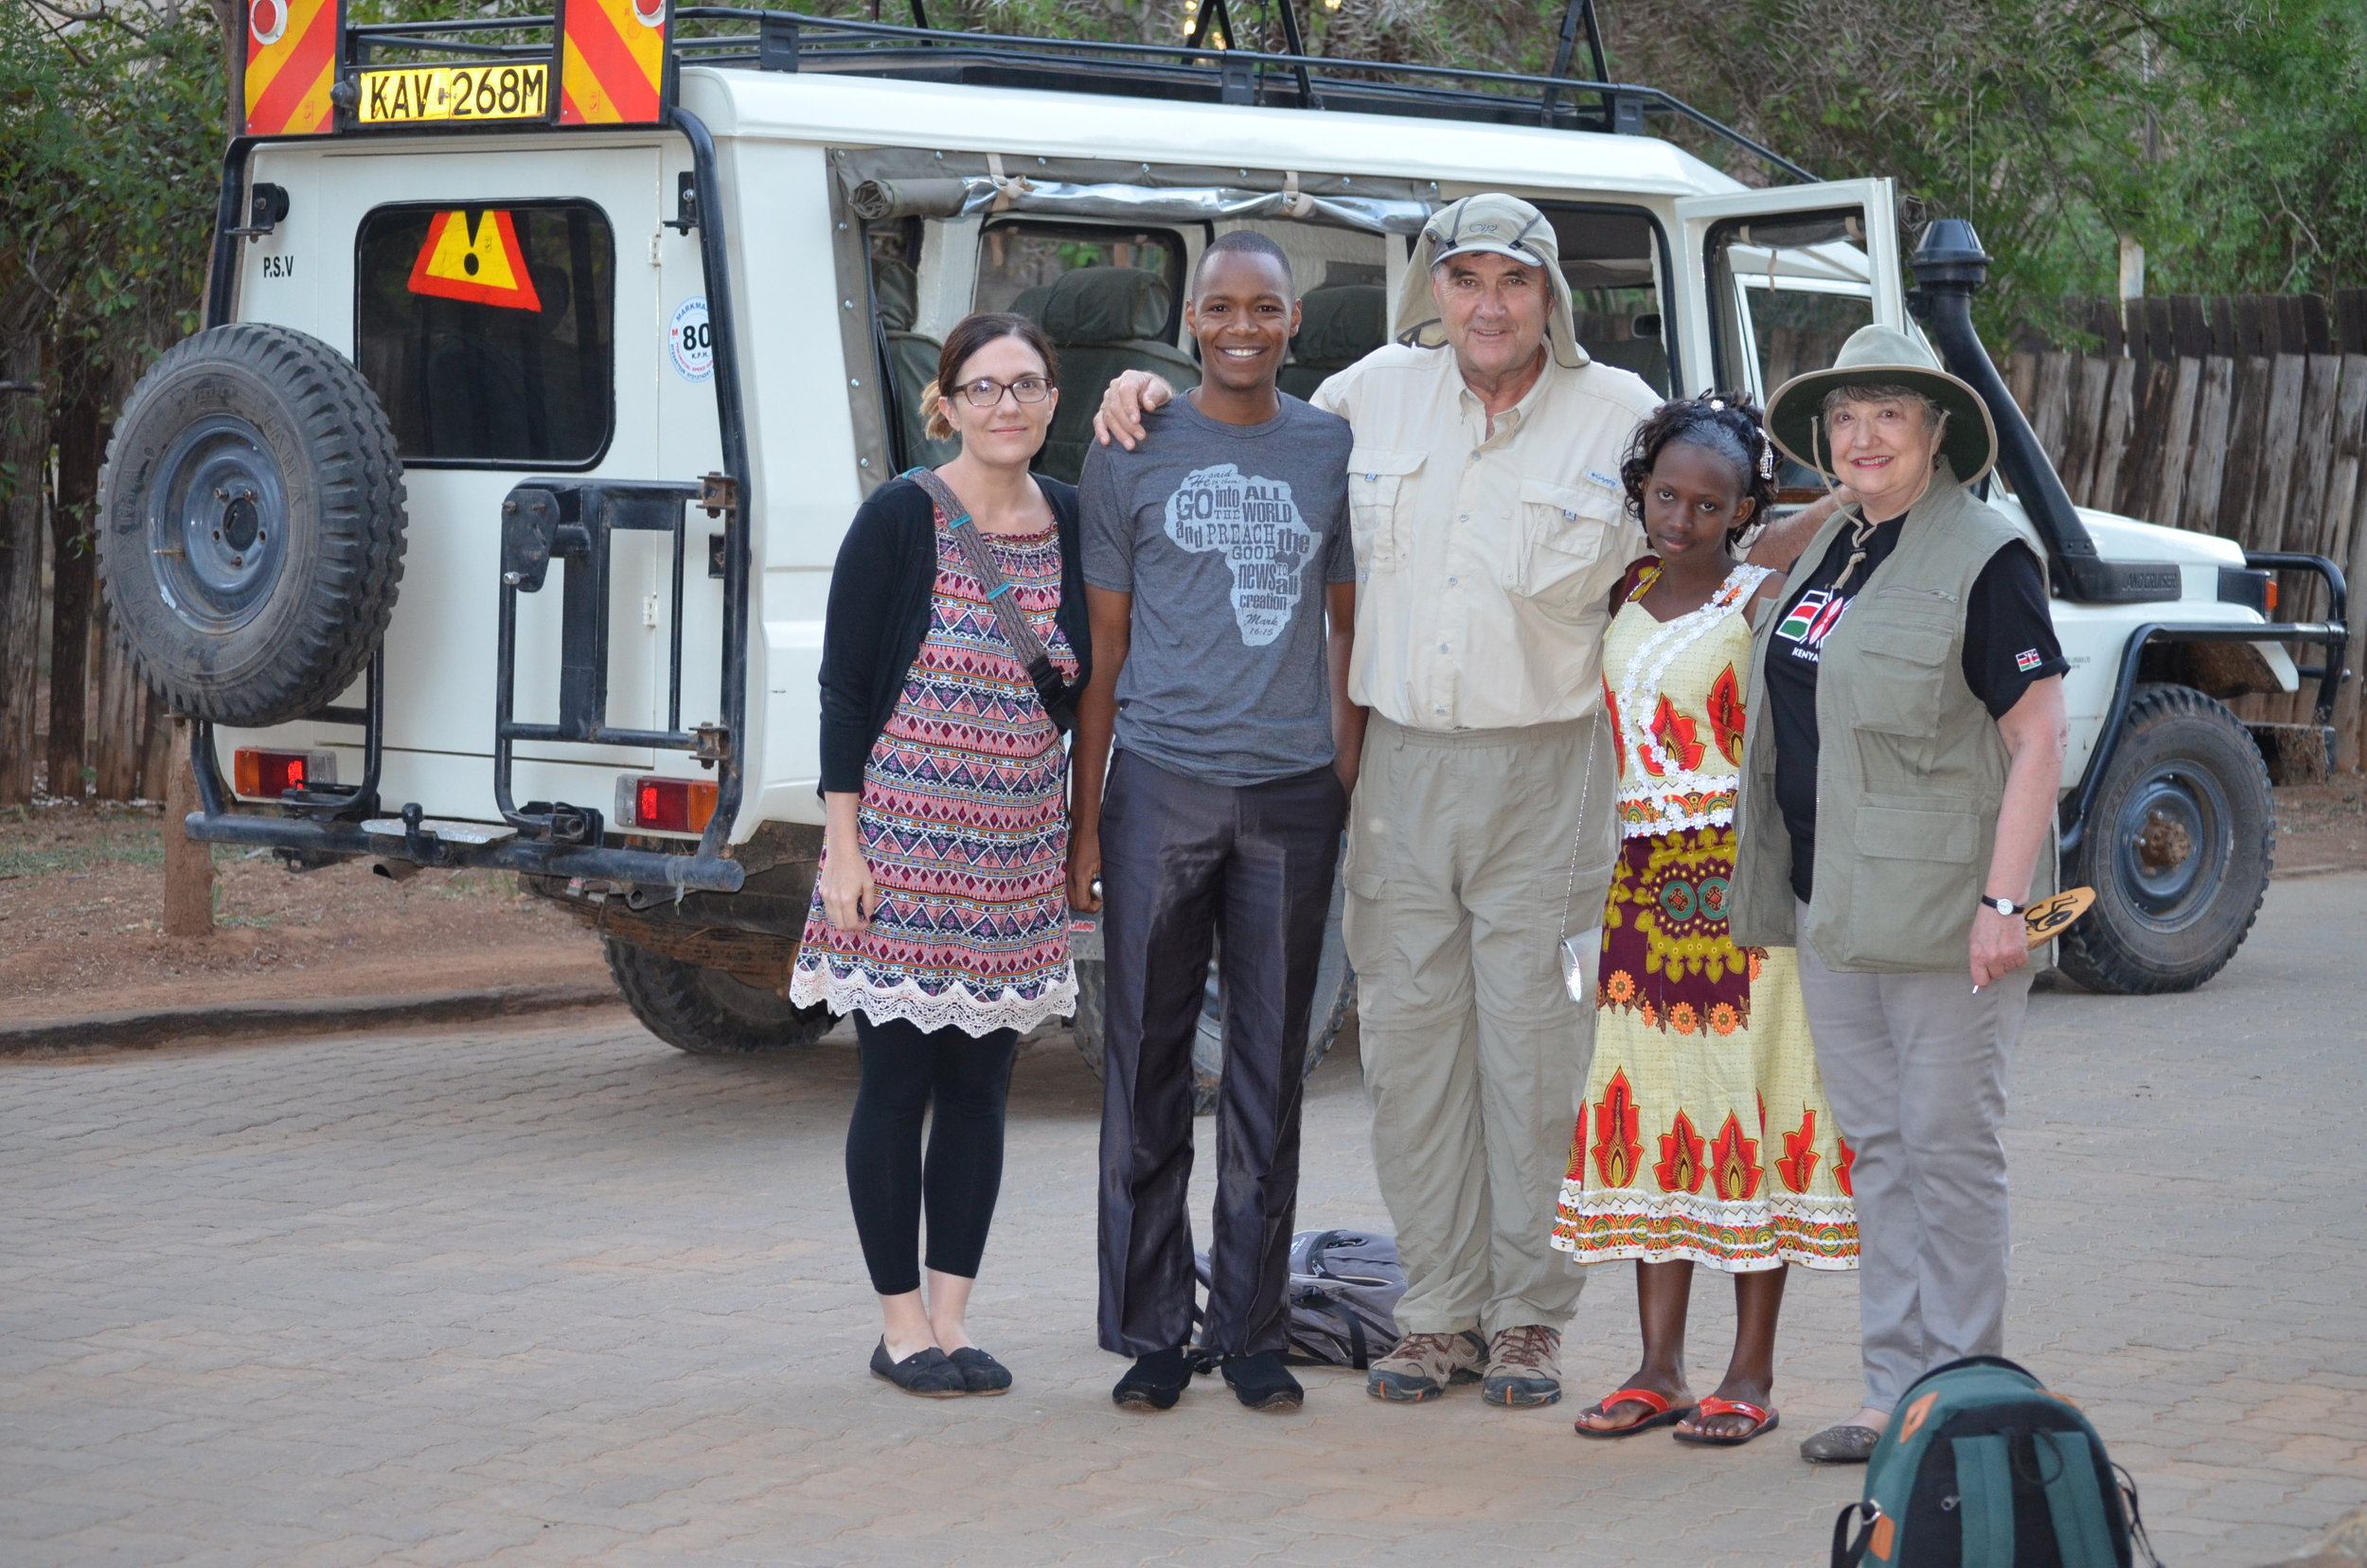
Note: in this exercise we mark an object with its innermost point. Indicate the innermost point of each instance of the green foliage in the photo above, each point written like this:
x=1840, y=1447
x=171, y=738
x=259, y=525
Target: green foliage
x=110, y=139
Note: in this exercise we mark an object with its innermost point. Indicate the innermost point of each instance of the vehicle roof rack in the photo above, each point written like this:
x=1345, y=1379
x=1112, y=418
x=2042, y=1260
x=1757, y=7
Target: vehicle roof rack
x=1194, y=71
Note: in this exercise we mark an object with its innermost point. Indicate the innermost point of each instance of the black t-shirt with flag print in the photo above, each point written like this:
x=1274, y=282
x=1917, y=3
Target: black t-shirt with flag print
x=2009, y=646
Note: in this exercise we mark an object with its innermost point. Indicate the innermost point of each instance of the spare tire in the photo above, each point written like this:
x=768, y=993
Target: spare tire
x=251, y=525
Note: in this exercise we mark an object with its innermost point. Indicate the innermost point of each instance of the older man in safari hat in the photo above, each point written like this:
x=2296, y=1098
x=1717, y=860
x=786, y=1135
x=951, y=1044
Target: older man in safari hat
x=1490, y=528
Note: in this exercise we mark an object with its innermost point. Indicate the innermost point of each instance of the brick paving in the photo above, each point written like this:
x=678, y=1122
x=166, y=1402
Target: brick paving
x=557, y=1294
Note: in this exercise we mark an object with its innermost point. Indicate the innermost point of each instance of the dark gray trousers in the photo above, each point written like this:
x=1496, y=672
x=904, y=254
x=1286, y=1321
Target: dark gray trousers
x=1184, y=861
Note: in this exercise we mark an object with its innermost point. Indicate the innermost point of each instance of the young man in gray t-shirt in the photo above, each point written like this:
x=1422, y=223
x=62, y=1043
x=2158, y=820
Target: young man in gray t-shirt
x=1221, y=578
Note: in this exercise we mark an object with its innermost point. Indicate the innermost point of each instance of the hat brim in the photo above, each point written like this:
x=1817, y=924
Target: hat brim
x=1793, y=412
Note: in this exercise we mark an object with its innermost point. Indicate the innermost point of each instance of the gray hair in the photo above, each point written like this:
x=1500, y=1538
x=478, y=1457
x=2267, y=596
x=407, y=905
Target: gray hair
x=1934, y=417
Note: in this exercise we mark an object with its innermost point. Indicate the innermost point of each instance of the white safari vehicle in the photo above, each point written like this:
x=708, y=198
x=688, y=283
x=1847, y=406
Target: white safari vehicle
x=490, y=519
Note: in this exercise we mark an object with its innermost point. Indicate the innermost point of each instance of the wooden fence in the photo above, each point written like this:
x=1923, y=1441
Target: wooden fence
x=2268, y=449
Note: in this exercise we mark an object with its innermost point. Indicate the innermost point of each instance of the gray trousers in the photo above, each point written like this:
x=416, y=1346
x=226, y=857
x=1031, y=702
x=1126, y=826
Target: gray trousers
x=1915, y=1065
x=1459, y=865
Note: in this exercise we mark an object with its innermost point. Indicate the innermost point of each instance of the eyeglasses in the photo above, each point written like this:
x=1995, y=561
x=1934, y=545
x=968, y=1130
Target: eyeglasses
x=985, y=391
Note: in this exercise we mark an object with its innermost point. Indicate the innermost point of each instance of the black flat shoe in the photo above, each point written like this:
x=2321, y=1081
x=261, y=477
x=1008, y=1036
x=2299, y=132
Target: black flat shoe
x=928, y=1373
x=1262, y=1383
x=1840, y=1445
x=981, y=1373
x=1155, y=1382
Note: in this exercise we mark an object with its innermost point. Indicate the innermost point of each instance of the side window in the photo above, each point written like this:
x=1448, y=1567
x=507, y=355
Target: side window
x=1612, y=257
x=486, y=332
x=1016, y=260
x=1788, y=290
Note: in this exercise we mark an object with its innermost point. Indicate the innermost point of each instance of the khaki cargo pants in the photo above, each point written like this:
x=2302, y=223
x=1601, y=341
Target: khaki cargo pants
x=1459, y=866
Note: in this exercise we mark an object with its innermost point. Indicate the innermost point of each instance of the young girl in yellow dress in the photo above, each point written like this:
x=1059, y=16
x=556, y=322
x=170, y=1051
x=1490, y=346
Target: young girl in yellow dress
x=1704, y=1136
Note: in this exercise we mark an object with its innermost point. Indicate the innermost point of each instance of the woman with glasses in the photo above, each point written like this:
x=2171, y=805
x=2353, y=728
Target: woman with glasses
x=941, y=913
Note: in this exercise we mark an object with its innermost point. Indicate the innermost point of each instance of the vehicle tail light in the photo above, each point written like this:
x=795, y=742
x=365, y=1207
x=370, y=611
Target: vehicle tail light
x=268, y=775
x=666, y=805
x=2271, y=608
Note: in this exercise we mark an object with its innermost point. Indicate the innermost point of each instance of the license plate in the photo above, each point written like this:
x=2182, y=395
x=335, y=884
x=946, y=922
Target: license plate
x=455, y=92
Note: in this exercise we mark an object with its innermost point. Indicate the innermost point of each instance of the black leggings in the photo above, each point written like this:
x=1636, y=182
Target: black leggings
x=903, y=1072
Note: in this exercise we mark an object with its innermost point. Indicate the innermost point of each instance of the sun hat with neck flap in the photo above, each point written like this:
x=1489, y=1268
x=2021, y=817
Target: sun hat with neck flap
x=1883, y=356
x=1497, y=224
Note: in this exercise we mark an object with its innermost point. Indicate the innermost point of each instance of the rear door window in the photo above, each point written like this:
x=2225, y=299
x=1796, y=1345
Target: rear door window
x=1015, y=260
x=487, y=332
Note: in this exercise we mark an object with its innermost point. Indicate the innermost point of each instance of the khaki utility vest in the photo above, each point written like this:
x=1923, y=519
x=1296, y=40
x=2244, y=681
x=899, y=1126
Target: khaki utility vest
x=1910, y=770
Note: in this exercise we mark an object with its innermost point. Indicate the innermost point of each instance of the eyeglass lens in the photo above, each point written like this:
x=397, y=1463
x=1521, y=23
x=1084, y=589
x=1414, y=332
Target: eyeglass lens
x=985, y=393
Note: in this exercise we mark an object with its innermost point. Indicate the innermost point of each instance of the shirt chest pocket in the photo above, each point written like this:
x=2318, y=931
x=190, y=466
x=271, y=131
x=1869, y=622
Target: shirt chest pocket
x=1899, y=675
x=1380, y=486
x=1563, y=532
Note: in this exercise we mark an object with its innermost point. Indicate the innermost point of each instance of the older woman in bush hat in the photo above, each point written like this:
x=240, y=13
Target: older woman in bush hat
x=1896, y=816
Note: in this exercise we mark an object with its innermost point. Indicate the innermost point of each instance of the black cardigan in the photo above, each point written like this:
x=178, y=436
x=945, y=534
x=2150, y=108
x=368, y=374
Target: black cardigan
x=880, y=596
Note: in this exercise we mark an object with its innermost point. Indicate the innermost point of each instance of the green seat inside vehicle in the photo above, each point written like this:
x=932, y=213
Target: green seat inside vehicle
x=1102, y=321
x=1339, y=324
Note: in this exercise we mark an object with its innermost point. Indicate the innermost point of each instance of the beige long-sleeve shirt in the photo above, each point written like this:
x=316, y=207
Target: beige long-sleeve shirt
x=1484, y=562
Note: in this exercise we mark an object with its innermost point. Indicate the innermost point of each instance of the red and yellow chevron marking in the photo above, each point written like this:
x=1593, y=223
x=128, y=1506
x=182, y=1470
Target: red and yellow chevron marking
x=290, y=59
x=613, y=60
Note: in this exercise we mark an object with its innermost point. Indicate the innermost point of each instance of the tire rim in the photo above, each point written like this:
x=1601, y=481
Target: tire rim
x=217, y=523
x=2171, y=845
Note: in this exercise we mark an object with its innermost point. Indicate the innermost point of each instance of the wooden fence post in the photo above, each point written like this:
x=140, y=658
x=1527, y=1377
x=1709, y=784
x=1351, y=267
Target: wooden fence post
x=188, y=865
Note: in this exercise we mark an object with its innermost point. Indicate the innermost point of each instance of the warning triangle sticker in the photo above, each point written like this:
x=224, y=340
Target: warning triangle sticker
x=484, y=265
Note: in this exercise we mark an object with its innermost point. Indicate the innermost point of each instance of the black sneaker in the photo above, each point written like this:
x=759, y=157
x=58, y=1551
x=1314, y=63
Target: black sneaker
x=1262, y=1383
x=1155, y=1382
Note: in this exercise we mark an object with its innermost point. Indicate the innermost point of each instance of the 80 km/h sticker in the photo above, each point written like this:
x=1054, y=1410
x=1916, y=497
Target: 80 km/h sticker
x=691, y=341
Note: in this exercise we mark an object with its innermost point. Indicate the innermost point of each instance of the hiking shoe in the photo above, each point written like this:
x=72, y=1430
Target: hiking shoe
x=1523, y=1366
x=1261, y=1382
x=1155, y=1382
x=1423, y=1366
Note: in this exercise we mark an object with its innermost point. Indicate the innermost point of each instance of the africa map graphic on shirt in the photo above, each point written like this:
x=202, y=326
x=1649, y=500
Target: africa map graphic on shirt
x=1253, y=521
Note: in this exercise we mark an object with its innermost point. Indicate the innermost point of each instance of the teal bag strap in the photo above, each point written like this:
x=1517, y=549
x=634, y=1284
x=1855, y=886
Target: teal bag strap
x=2074, y=1498
x=1985, y=1501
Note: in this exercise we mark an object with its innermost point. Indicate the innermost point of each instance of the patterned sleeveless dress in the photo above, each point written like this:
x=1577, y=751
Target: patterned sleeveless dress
x=964, y=820
x=1704, y=1134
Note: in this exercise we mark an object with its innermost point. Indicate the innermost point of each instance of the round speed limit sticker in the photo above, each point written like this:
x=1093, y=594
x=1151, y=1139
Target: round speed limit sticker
x=692, y=340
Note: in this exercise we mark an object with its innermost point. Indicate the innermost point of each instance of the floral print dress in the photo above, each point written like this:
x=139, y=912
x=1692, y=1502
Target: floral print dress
x=1704, y=1134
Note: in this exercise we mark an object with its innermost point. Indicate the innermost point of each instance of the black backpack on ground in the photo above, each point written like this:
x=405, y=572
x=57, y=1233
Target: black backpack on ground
x=1343, y=1297
x=1983, y=1466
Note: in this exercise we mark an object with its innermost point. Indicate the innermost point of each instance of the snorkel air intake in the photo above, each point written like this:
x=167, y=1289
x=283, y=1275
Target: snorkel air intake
x=1950, y=267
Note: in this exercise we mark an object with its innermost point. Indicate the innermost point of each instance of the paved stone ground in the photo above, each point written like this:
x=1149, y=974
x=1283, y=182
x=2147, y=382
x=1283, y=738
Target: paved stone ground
x=561, y=1296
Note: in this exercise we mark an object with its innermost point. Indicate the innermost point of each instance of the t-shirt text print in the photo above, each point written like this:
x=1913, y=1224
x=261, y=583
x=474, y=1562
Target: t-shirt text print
x=1253, y=521
x=1225, y=536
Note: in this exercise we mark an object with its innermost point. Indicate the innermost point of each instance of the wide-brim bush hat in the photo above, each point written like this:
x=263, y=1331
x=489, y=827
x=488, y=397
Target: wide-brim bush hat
x=1883, y=356
x=1499, y=225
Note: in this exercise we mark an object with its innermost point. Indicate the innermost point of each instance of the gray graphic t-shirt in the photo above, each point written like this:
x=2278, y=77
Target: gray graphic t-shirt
x=1226, y=536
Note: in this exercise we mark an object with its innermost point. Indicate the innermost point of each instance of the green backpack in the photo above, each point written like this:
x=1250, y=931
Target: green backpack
x=1981, y=1466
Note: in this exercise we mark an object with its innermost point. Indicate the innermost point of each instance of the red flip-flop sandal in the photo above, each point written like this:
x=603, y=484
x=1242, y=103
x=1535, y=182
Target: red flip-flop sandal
x=1768, y=1421
x=1663, y=1414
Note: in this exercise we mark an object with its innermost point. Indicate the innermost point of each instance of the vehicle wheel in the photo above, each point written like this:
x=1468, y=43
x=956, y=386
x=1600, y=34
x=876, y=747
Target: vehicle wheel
x=1335, y=999
x=251, y=525
x=2178, y=846
x=707, y=1012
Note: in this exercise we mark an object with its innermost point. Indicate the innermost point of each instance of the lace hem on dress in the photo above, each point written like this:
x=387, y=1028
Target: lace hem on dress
x=956, y=1006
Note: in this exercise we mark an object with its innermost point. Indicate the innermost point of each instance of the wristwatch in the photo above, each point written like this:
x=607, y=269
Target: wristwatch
x=2003, y=906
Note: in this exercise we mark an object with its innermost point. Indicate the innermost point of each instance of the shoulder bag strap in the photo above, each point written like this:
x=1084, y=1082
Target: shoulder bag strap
x=1026, y=644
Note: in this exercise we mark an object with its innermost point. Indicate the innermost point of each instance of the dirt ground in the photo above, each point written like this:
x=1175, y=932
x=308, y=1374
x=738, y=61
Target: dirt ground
x=81, y=899
x=81, y=905
x=2323, y=827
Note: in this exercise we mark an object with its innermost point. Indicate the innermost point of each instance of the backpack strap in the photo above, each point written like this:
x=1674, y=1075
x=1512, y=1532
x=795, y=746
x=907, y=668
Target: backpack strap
x=1984, y=1506
x=2074, y=1500
x=1848, y=1553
